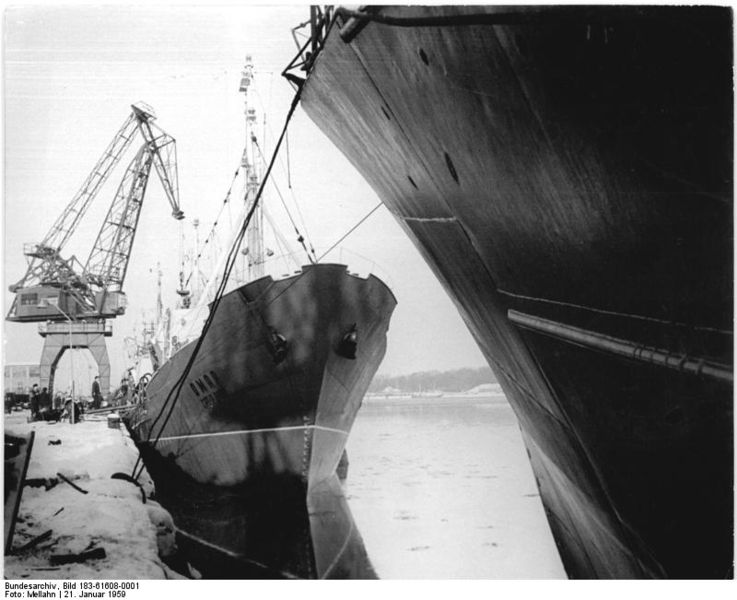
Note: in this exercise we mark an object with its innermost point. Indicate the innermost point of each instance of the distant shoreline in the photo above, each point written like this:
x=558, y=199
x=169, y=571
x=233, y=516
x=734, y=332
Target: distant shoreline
x=447, y=399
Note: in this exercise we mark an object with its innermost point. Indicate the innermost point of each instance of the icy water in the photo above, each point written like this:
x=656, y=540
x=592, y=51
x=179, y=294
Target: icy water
x=442, y=488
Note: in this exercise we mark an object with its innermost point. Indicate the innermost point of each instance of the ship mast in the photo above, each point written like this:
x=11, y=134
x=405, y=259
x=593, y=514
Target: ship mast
x=159, y=300
x=255, y=244
x=197, y=275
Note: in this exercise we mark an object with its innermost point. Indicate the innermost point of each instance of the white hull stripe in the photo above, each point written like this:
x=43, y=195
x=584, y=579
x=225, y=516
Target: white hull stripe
x=199, y=540
x=248, y=431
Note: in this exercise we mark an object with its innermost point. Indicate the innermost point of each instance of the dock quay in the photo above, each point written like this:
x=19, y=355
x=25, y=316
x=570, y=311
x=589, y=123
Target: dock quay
x=75, y=521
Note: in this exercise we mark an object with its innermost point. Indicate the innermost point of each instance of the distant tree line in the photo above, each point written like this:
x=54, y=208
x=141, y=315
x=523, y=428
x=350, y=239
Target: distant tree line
x=458, y=380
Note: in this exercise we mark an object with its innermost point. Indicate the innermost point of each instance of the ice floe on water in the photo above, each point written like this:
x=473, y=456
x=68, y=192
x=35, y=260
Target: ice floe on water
x=443, y=489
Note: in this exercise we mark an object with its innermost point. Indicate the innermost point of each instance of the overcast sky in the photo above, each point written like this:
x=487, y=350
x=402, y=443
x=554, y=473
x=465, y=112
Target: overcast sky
x=70, y=75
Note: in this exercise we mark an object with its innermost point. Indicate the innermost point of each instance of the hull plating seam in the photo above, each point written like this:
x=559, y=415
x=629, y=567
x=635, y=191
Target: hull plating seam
x=430, y=219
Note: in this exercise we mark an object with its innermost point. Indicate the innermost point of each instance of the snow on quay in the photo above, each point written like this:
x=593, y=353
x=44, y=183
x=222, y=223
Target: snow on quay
x=111, y=515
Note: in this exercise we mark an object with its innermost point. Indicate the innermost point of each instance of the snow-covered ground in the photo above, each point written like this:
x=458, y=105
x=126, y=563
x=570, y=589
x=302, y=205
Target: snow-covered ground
x=112, y=515
x=440, y=488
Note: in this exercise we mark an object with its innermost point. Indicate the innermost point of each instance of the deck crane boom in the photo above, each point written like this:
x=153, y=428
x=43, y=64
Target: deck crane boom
x=95, y=289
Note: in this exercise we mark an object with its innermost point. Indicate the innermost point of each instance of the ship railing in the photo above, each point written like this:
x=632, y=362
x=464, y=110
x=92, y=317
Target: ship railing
x=278, y=266
x=288, y=264
x=360, y=265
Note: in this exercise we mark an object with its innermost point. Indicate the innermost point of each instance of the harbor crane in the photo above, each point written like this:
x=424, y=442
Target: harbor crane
x=55, y=289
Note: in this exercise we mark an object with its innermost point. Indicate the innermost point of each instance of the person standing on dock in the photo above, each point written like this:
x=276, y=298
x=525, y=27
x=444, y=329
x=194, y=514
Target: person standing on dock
x=96, y=394
x=44, y=400
x=122, y=396
x=35, y=397
x=131, y=386
x=69, y=406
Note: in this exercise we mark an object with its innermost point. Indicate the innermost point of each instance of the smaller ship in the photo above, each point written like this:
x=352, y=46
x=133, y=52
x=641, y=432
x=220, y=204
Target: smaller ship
x=243, y=427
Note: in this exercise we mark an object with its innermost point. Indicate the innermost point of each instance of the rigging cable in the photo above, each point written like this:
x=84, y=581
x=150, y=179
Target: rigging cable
x=350, y=231
x=280, y=241
x=211, y=235
x=289, y=167
x=302, y=218
x=324, y=254
x=300, y=238
x=181, y=252
x=175, y=390
x=288, y=172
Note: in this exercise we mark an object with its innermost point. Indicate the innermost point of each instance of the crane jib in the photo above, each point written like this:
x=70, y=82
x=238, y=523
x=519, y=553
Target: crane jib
x=95, y=290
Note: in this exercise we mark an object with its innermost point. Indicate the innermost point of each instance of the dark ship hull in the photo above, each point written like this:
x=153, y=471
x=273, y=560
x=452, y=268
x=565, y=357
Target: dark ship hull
x=261, y=423
x=567, y=174
x=268, y=527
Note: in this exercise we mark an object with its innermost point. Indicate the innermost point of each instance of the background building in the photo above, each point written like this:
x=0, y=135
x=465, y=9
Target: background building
x=19, y=377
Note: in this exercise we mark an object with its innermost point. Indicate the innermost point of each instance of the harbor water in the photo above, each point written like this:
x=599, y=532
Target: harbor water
x=438, y=488
x=441, y=488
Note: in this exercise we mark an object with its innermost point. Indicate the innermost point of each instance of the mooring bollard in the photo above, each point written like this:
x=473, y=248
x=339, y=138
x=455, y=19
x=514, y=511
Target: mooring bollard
x=113, y=421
